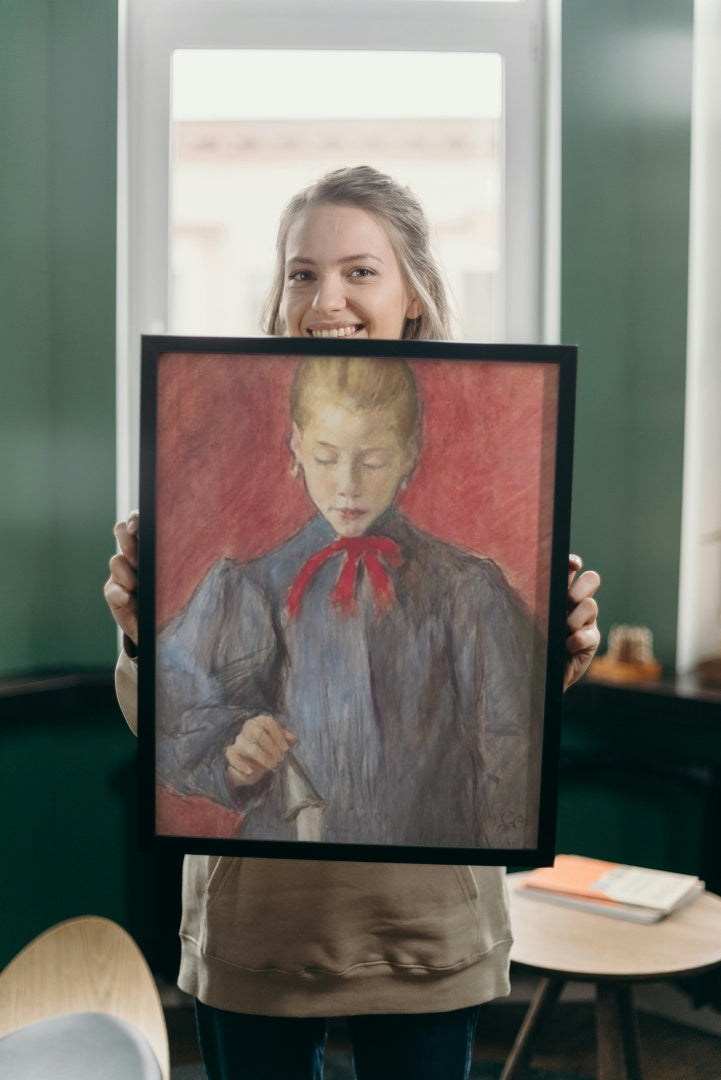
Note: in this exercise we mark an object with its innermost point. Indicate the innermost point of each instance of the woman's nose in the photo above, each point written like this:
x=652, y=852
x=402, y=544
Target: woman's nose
x=329, y=295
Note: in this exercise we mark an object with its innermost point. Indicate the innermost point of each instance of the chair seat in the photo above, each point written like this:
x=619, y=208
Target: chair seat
x=78, y=1046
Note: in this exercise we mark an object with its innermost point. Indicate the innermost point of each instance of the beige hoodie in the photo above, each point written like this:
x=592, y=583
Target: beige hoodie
x=300, y=938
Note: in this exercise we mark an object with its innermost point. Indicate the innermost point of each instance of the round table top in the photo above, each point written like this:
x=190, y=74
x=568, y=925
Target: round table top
x=559, y=940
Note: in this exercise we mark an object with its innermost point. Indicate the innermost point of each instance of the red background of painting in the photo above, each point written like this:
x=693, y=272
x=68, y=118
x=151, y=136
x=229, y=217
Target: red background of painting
x=224, y=486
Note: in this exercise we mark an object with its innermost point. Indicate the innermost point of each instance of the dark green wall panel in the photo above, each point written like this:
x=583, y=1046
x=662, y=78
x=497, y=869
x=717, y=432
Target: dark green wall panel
x=626, y=145
x=61, y=788
x=25, y=400
x=68, y=798
x=58, y=77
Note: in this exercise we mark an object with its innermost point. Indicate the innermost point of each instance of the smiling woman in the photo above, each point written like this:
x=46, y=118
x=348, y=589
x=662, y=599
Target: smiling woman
x=353, y=259
x=331, y=290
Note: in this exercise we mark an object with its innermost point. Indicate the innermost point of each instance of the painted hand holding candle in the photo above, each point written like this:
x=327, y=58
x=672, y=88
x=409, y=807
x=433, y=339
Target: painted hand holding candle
x=363, y=682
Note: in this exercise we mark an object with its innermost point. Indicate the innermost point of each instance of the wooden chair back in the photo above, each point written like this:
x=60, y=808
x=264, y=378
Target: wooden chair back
x=87, y=964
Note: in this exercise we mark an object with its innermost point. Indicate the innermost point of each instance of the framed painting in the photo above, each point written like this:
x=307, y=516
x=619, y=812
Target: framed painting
x=352, y=597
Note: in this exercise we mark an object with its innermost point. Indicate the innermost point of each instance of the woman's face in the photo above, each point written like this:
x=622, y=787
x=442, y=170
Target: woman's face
x=342, y=277
x=353, y=464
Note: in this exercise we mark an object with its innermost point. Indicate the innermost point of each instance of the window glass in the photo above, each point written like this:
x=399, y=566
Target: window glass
x=226, y=108
x=251, y=127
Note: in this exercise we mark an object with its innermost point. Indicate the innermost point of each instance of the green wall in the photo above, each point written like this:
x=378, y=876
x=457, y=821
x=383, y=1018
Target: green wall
x=626, y=134
x=626, y=146
x=58, y=72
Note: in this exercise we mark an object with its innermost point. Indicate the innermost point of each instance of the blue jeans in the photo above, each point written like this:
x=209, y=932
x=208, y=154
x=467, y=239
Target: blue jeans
x=416, y=1046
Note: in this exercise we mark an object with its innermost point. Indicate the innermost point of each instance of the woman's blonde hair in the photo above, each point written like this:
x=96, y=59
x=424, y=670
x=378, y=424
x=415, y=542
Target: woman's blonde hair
x=360, y=384
x=403, y=217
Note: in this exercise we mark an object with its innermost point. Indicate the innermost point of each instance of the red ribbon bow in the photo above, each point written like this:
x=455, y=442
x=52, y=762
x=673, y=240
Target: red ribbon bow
x=369, y=550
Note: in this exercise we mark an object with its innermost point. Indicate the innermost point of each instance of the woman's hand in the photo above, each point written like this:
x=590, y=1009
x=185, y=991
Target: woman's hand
x=260, y=746
x=121, y=587
x=583, y=635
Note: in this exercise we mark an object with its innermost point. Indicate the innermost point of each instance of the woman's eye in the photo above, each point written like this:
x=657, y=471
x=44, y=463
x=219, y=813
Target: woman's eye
x=300, y=276
x=362, y=272
x=373, y=466
x=325, y=461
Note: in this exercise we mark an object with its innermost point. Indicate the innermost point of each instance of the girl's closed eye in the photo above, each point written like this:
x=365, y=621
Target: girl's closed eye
x=375, y=462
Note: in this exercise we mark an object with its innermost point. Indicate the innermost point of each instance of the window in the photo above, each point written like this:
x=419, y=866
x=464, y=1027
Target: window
x=229, y=106
x=235, y=161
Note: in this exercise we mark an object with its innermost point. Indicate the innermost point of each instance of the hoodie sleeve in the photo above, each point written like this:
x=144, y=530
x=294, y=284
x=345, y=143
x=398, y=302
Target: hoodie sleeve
x=126, y=689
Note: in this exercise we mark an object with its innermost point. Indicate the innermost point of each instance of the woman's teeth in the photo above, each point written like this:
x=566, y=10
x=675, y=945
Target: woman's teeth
x=337, y=331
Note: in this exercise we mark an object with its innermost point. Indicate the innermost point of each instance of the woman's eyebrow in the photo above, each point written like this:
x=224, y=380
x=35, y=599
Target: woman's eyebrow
x=363, y=256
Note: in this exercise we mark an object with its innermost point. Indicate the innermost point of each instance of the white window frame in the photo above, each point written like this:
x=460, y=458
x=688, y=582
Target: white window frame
x=699, y=597
x=526, y=34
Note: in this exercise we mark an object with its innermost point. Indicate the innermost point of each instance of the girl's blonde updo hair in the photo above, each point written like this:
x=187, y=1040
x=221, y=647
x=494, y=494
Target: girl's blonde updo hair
x=360, y=384
x=403, y=217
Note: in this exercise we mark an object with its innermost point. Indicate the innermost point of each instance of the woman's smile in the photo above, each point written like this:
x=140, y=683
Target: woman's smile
x=335, y=331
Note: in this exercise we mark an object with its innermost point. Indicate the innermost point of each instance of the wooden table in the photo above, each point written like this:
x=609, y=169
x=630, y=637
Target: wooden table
x=563, y=944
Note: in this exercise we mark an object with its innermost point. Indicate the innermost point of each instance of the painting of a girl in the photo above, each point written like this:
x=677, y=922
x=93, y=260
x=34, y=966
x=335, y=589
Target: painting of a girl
x=364, y=682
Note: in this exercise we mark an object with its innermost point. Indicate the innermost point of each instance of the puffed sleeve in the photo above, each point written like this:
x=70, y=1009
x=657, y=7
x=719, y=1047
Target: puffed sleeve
x=500, y=664
x=218, y=664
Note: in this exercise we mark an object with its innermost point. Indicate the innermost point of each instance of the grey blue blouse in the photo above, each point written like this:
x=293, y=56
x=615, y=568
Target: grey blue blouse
x=418, y=725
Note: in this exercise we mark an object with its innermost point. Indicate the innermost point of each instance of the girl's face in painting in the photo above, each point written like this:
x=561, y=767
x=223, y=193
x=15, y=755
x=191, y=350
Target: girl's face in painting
x=353, y=464
x=343, y=278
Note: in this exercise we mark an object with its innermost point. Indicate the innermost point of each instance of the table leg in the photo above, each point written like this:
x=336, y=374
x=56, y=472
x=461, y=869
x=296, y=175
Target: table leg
x=617, y=1033
x=545, y=997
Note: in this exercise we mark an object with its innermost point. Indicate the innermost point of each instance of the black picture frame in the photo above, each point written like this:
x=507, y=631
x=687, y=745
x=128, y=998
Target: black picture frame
x=503, y=418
